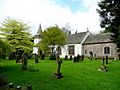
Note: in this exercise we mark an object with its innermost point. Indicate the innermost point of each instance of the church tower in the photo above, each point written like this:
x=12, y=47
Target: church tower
x=37, y=39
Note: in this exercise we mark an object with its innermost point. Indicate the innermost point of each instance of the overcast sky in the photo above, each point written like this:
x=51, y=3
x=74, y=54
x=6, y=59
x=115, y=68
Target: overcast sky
x=80, y=14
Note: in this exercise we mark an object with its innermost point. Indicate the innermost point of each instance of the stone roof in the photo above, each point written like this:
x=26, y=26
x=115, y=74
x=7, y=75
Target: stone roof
x=76, y=38
x=98, y=38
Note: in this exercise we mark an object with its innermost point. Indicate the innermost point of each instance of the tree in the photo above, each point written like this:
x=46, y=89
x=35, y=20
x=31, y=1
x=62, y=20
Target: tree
x=4, y=49
x=17, y=35
x=53, y=36
x=110, y=18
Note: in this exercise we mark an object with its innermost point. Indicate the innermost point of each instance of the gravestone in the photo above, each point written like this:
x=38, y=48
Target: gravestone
x=119, y=56
x=18, y=88
x=78, y=58
x=58, y=74
x=10, y=85
x=103, y=61
x=103, y=68
x=91, y=55
x=71, y=57
x=66, y=57
x=3, y=80
x=106, y=59
x=82, y=57
x=75, y=59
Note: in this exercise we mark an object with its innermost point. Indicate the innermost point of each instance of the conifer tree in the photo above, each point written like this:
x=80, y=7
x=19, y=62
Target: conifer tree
x=109, y=11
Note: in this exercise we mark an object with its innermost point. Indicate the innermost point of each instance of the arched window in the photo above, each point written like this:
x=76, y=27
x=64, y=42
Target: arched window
x=106, y=50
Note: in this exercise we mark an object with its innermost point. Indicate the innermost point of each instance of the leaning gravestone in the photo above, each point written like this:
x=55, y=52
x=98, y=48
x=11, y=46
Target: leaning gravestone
x=103, y=68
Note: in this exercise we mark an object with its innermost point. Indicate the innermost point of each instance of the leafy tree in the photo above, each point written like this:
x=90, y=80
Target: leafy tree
x=4, y=49
x=17, y=35
x=53, y=36
x=109, y=11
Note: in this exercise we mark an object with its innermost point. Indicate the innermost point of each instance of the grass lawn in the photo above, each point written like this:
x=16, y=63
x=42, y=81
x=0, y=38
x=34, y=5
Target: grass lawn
x=76, y=76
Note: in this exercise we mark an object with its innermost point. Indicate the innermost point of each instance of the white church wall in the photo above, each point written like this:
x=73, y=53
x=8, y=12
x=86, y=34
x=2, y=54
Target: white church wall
x=64, y=51
x=78, y=49
x=35, y=50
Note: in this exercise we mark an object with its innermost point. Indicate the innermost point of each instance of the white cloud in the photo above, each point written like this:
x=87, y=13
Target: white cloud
x=48, y=13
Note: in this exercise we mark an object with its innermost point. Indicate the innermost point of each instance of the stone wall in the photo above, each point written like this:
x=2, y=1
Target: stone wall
x=98, y=50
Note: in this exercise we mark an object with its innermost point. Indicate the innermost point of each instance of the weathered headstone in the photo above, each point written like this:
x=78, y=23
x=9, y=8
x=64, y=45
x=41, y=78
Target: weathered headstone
x=58, y=74
x=103, y=61
x=78, y=58
x=3, y=80
x=75, y=59
x=106, y=59
x=103, y=68
x=66, y=57
x=91, y=55
x=10, y=85
x=18, y=88
x=71, y=57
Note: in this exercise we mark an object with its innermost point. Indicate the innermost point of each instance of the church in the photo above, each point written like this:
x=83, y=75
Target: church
x=84, y=43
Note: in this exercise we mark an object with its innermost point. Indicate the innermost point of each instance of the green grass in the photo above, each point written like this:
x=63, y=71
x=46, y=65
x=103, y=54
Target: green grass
x=77, y=76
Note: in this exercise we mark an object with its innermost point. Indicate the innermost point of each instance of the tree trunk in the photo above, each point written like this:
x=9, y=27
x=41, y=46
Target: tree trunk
x=17, y=58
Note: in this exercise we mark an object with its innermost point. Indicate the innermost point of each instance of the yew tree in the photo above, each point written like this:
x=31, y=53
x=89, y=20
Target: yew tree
x=109, y=11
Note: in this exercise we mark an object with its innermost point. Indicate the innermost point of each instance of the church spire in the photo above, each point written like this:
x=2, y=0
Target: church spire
x=39, y=30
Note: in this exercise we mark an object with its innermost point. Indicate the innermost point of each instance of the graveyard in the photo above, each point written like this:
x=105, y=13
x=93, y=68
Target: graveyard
x=82, y=75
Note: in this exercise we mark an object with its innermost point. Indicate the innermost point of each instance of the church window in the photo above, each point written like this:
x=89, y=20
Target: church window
x=71, y=50
x=106, y=50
